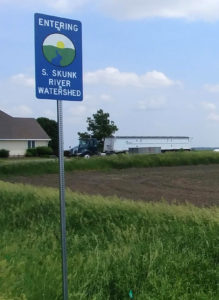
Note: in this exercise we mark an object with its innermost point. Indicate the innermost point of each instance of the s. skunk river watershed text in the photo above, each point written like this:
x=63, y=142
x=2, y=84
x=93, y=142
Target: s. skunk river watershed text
x=59, y=84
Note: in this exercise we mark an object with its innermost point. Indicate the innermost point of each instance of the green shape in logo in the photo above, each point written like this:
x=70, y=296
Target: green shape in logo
x=59, y=50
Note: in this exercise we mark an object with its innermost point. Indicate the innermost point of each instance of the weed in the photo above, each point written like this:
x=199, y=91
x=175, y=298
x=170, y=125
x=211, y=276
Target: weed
x=158, y=251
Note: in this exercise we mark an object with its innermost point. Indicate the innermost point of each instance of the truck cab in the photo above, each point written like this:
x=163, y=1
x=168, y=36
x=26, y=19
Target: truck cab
x=86, y=148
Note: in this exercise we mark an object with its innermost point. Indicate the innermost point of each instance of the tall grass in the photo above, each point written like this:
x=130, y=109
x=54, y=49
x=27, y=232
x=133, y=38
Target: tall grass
x=36, y=167
x=156, y=250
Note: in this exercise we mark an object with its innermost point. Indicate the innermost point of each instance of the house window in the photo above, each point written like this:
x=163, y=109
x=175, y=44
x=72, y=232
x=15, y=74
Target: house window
x=31, y=144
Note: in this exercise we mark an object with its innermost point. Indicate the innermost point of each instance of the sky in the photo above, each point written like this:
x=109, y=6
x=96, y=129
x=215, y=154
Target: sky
x=153, y=65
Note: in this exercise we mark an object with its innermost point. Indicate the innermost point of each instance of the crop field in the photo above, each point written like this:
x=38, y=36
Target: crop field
x=27, y=166
x=144, y=244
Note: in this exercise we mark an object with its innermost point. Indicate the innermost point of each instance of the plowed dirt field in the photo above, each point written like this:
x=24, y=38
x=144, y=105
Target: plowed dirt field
x=195, y=184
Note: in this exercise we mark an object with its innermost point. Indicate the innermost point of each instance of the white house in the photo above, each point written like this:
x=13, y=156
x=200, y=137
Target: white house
x=19, y=134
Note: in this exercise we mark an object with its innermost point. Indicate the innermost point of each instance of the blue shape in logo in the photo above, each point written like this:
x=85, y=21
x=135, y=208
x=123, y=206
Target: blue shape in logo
x=56, y=60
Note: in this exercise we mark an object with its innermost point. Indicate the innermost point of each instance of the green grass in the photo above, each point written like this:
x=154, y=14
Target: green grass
x=156, y=250
x=36, y=167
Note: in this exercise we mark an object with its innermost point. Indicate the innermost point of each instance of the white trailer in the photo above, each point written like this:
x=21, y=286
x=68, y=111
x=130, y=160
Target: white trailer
x=118, y=144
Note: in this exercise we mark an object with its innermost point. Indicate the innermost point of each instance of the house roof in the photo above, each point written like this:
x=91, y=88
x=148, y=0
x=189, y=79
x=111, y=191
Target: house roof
x=20, y=128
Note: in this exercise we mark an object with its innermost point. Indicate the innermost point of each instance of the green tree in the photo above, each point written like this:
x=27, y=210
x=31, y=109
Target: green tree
x=99, y=127
x=84, y=135
x=51, y=128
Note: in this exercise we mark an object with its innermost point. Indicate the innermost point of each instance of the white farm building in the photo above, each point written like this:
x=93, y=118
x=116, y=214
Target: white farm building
x=165, y=143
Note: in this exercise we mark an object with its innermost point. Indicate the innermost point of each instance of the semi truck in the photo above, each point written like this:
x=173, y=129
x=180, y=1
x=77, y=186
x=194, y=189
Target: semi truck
x=123, y=144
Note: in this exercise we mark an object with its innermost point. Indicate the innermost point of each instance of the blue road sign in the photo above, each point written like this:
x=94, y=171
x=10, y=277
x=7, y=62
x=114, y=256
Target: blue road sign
x=58, y=58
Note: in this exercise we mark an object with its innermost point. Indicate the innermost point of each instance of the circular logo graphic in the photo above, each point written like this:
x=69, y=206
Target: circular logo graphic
x=58, y=50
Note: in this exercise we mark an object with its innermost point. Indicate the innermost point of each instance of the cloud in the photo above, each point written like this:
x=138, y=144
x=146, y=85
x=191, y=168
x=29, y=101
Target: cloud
x=50, y=114
x=207, y=10
x=157, y=79
x=140, y=9
x=24, y=80
x=63, y=6
x=212, y=111
x=208, y=106
x=151, y=104
x=77, y=111
x=106, y=97
x=213, y=117
x=76, y=115
x=112, y=76
x=20, y=111
x=212, y=88
x=128, y=9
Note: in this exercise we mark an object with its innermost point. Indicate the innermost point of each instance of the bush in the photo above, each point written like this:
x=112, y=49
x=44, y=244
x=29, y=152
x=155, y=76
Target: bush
x=4, y=153
x=42, y=151
x=31, y=152
x=39, y=151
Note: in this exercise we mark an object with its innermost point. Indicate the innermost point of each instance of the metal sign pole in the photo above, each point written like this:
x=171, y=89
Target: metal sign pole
x=62, y=200
x=54, y=82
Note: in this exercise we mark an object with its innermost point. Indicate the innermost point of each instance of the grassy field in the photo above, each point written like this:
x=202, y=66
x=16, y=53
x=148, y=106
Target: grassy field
x=48, y=166
x=156, y=250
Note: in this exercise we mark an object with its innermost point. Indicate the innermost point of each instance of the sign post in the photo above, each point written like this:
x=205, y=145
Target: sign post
x=58, y=74
x=62, y=201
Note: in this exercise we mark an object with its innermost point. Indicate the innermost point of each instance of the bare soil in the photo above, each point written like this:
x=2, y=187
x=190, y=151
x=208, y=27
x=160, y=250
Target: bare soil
x=198, y=185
